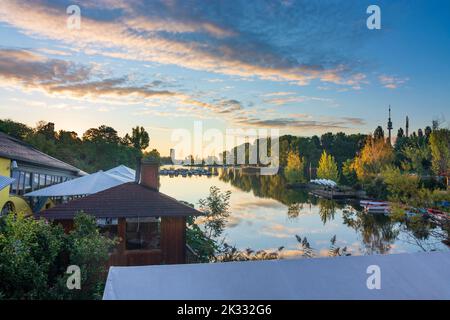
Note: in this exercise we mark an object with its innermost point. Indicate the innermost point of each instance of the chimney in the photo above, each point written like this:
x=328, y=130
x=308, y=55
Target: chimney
x=138, y=169
x=149, y=172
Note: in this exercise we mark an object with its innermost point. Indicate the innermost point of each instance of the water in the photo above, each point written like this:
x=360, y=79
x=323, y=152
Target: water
x=265, y=215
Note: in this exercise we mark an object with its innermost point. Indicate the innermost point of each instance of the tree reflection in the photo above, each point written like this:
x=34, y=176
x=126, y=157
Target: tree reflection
x=378, y=232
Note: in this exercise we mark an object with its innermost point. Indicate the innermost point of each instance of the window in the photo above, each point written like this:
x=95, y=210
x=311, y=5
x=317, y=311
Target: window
x=143, y=233
x=108, y=227
x=26, y=181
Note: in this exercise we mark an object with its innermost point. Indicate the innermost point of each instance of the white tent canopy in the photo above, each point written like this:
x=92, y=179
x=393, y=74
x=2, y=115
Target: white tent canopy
x=86, y=185
x=123, y=171
x=402, y=276
x=5, y=181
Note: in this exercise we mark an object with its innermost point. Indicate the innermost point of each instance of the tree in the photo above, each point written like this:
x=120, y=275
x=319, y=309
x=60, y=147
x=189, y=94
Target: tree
x=440, y=151
x=153, y=155
x=428, y=131
x=420, y=133
x=29, y=251
x=400, y=133
x=139, y=138
x=205, y=241
x=375, y=155
x=89, y=250
x=216, y=208
x=417, y=158
x=401, y=187
x=15, y=129
x=349, y=176
x=294, y=170
x=328, y=168
x=47, y=129
x=35, y=254
x=379, y=133
x=102, y=134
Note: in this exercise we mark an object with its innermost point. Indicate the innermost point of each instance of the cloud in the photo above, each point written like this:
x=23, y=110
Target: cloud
x=294, y=99
x=33, y=71
x=392, y=82
x=271, y=41
x=290, y=123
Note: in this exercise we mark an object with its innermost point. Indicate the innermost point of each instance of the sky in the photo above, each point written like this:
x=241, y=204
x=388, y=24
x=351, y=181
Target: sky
x=303, y=67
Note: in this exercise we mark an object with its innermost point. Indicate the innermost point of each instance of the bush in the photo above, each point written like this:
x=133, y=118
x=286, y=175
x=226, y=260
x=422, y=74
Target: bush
x=34, y=256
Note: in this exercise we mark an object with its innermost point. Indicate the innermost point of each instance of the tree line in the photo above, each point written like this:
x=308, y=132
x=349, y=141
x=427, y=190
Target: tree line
x=97, y=149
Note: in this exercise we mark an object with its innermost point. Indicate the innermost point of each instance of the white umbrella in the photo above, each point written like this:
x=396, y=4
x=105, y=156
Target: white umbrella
x=89, y=184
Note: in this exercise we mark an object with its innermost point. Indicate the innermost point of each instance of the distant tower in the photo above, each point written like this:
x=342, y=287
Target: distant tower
x=407, y=126
x=389, y=126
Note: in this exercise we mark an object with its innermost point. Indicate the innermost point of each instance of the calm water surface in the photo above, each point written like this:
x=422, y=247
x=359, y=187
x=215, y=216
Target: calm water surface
x=266, y=215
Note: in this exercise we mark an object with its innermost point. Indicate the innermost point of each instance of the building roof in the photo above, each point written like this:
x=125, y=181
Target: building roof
x=124, y=201
x=85, y=185
x=402, y=276
x=15, y=149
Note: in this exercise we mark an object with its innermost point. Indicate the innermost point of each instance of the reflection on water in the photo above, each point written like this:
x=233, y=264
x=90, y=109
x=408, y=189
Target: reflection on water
x=266, y=215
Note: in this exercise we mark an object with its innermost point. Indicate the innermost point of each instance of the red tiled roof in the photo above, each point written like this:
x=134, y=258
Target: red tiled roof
x=124, y=201
x=12, y=148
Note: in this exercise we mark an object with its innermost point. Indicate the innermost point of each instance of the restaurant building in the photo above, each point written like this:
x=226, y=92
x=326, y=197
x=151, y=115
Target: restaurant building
x=150, y=226
x=28, y=169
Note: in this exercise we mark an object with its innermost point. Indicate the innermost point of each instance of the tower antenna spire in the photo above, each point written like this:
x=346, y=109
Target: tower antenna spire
x=389, y=126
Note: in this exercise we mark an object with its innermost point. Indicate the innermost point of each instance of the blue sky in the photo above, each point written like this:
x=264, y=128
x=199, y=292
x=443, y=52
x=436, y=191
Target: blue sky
x=304, y=67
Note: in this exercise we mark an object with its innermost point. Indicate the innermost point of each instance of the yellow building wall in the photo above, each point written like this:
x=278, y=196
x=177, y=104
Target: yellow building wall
x=5, y=165
x=20, y=204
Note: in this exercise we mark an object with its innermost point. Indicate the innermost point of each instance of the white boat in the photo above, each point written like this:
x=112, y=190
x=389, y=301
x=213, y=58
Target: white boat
x=375, y=209
x=366, y=203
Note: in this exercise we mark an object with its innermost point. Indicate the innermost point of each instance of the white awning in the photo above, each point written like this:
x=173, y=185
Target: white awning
x=86, y=185
x=123, y=171
x=5, y=181
x=402, y=276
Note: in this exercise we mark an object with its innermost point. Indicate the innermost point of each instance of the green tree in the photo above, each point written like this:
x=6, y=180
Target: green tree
x=349, y=176
x=203, y=233
x=89, y=250
x=29, y=251
x=101, y=134
x=139, y=138
x=47, y=129
x=35, y=254
x=327, y=168
x=440, y=150
x=379, y=133
x=153, y=155
x=294, y=170
x=216, y=208
x=15, y=129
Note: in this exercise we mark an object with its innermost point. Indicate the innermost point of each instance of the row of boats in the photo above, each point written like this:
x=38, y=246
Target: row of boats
x=187, y=172
x=383, y=207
